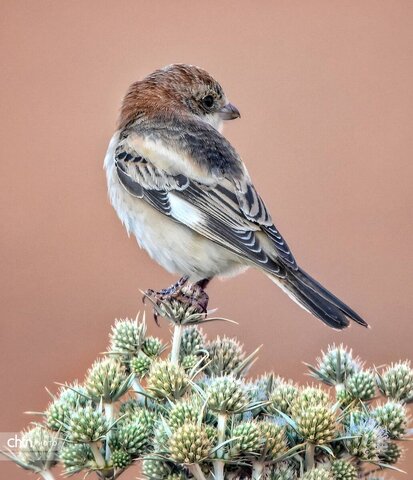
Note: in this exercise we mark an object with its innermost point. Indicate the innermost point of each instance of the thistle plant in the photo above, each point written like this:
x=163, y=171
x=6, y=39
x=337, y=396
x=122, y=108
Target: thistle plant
x=191, y=412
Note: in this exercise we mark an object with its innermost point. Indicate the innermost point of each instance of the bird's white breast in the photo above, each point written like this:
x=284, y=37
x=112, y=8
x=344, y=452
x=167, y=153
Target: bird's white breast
x=172, y=244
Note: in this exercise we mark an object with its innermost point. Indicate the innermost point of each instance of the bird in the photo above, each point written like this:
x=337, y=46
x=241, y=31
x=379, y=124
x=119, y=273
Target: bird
x=180, y=187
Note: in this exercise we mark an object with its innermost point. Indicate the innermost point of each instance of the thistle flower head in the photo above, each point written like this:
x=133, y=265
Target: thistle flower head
x=186, y=307
x=318, y=474
x=192, y=341
x=107, y=380
x=247, y=440
x=391, y=454
x=366, y=440
x=335, y=365
x=282, y=397
x=87, y=424
x=281, y=471
x=189, y=444
x=361, y=385
x=225, y=357
x=69, y=398
x=166, y=380
x=134, y=412
x=127, y=336
x=187, y=411
x=152, y=347
x=38, y=449
x=132, y=437
x=140, y=365
x=314, y=416
x=121, y=459
x=155, y=469
x=344, y=470
x=396, y=382
x=226, y=395
x=392, y=417
x=76, y=457
x=273, y=440
x=189, y=362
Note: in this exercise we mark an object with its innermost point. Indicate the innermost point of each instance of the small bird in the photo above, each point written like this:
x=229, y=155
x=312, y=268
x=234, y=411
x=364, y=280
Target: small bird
x=180, y=187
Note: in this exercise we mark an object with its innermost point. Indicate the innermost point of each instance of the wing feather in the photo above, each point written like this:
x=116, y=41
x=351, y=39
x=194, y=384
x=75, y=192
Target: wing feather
x=232, y=213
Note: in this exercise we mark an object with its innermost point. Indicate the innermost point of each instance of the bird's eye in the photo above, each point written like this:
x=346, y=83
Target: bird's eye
x=208, y=101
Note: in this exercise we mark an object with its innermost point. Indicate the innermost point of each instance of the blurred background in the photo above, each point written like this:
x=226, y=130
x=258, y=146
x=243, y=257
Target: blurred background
x=325, y=93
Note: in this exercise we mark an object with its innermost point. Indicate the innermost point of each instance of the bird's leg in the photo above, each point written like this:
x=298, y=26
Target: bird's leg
x=203, y=297
x=192, y=295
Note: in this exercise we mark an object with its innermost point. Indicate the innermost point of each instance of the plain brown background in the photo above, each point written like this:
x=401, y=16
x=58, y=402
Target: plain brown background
x=325, y=92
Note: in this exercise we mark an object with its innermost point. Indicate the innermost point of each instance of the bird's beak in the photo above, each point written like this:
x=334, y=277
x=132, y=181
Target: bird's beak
x=229, y=112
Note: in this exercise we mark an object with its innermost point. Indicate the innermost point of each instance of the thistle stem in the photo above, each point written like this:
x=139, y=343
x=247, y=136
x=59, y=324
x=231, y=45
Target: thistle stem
x=196, y=471
x=219, y=463
x=109, y=416
x=309, y=456
x=47, y=475
x=257, y=470
x=176, y=344
x=100, y=461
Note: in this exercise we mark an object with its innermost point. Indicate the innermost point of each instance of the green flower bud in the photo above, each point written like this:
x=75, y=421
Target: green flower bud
x=396, y=382
x=176, y=476
x=361, y=385
x=367, y=440
x=184, y=412
x=189, y=444
x=38, y=448
x=166, y=380
x=153, y=347
x=355, y=417
x=87, y=425
x=142, y=416
x=225, y=357
x=315, y=423
x=69, y=399
x=282, y=471
x=121, y=459
x=76, y=457
x=132, y=437
x=314, y=416
x=391, y=454
x=140, y=365
x=310, y=396
x=192, y=341
x=273, y=440
x=58, y=415
x=335, y=366
x=247, y=440
x=154, y=469
x=344, y=470
x=189, y=362
x=392, y=417
x=227, y=395
x=127, y=336
x=282, y=397
x=318, y=474
x=107, y=380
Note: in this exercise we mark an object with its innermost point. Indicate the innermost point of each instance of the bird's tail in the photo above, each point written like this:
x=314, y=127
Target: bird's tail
x=317, y=300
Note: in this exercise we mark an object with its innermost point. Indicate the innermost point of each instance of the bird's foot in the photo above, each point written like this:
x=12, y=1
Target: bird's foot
x=182, y=298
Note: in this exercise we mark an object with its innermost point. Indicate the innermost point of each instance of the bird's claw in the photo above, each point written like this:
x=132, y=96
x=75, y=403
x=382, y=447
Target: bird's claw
x=191, y=295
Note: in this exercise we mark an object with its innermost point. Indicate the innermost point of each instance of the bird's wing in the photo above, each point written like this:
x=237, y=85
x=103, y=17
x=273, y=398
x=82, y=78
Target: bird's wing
x=225, y=209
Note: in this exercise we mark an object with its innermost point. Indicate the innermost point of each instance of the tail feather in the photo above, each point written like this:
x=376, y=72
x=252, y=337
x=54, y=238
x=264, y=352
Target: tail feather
x=314, y=298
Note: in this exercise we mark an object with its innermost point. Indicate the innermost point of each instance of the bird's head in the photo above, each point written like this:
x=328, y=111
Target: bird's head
x=178, y=89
